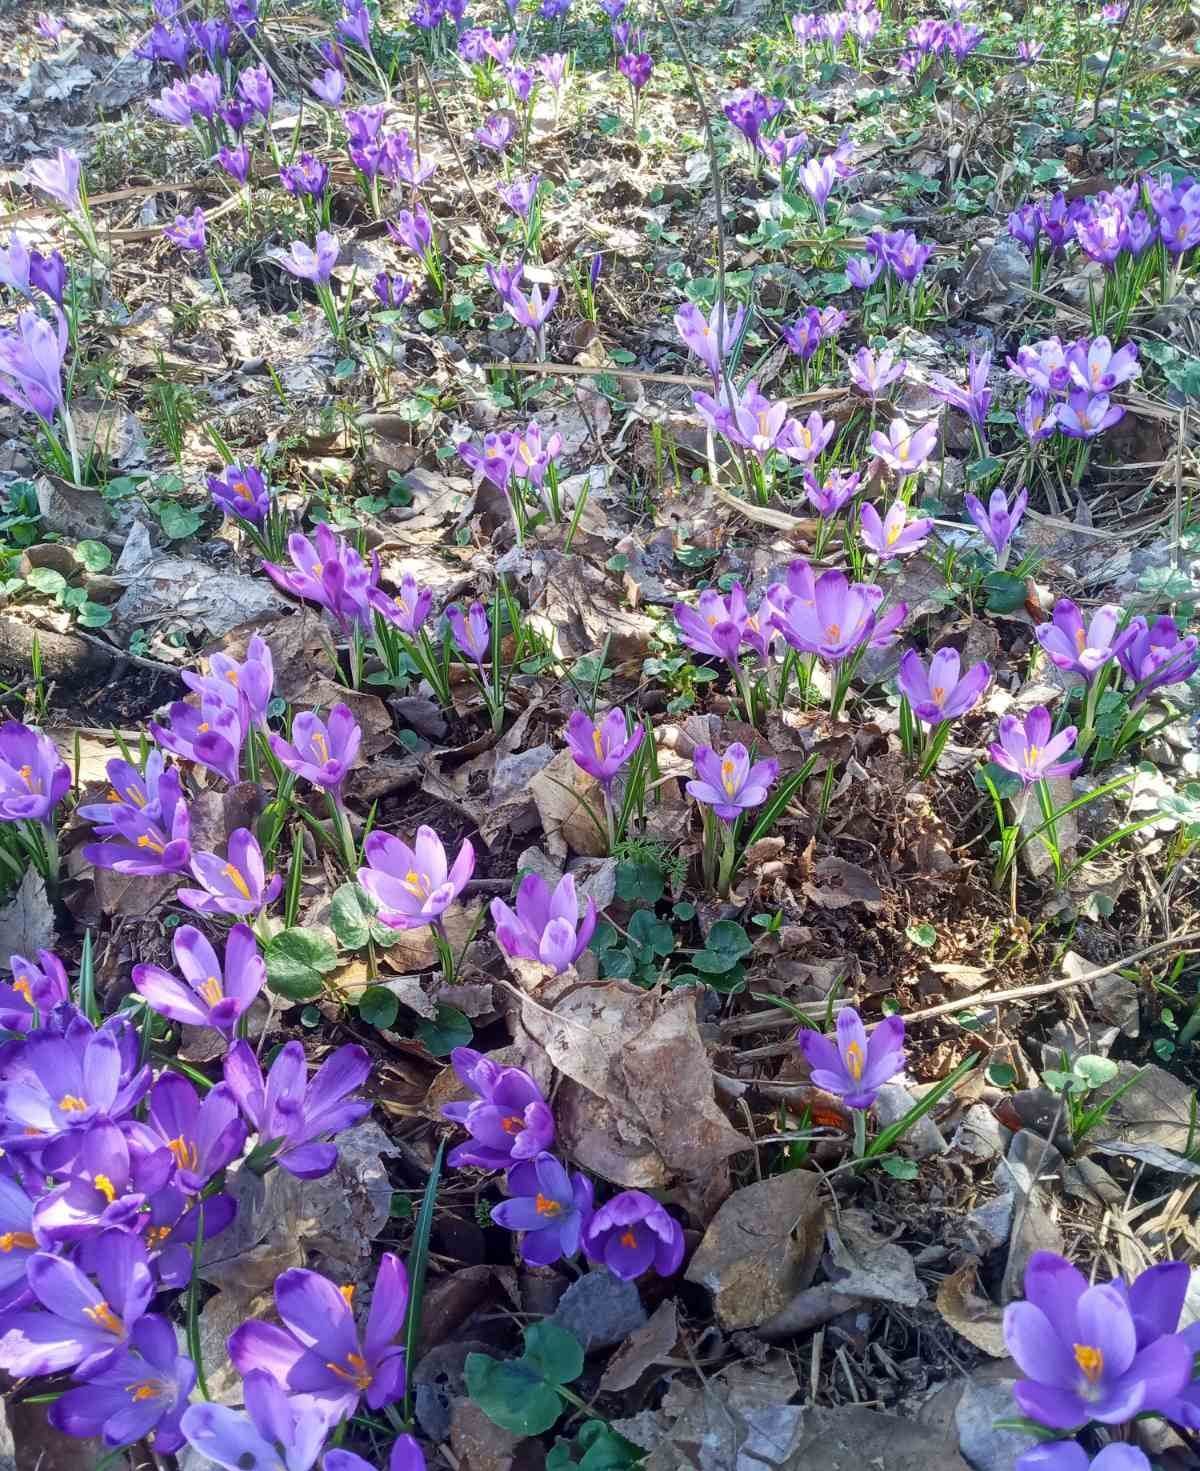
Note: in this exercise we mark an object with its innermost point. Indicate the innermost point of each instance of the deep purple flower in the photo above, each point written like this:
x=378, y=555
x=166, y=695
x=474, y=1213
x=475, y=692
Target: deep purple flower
x=1158, y=655
x=1028, y=750
x=319, y=1349
x=472, y=634
x=150, y=839
x=496, y=133
x=1083, y=649
x=409, y=608
x=309, y=264
x=1101, y=229
x=635, y=67
x=1179, y=229
x=236, y=885
x=329, y=87
x=235, y=162
x=905, y=254
x=862, y=271
x=166, y=43
x=33, y=776
x=1094, y=366
x=363, y=123
x=413, y=886
x=872, y=375
x=243, y=15
x=211, y=735
x=895, y=535
x=355, y=25
x=244, y=685
x=505, y=278
x=631, y=1233
x=905, y=450
x=237, y=114
x=975, y=399
x=257, y=89
x=550, y=1206
x=321, y=751
x=521, y=80
x=998, y=520
x=58, y=177
x=107, y=1183
x=272, y=1424
x=213, y=37
x=17, y=1243
x=601, y=747
x=392, y=291
x=331, y=574
x=509, y=1120
x=48, y=273
x=853, y=1067
x=1083, y=416
x=203, y=1134
x=407, y=1455
x=188, y=231
x=941, y=692
x=732, y=783
x=545, y=925
x=1024, y=226
x=31, y=363
x=78, y=1324
x=837, y=618
x=715, y=625
x=827, y=498
x=241, y=492
x=308, y=177
x=711, y=338
x=287, y=1106
x=1079, y=1348
x=749, y=112
x=412, y=228
x=35, y=987
x=212, y=993
x=520, y=194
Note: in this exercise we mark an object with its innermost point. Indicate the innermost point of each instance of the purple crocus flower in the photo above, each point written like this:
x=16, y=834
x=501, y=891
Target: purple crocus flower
x=853, y=1067
x=1078, y=1346
x=36, y=987
x=749, y=111
x=1095, y=368
x=355, y=25
x=188, y=231
x=392, y=291
x=545, y=925
x=302, y=1114
x=1043, y=365
x=33, y=776
x=998, y=520
x=48, y=273
x=1028, y=750
x=151, y=839
x=140, y=1395
x=832, y=622
x=531, y=312
x=631, y=1233
x=235, y=161
x=1024, y=226
x=1158, y=655
x=329, y=87
x=804, y=335
x=412, y=228
x=732, y=783
x=413, y=886
x=307, y=178
x=330, y=573
x=905, y=450
x=873, y=375
x=407, y=1455
x=319, y=1349
x=817, y=178
x=213, y=37
x=505, y=278
x=17, y=1243
x=1083, y=649
x=521, y=80
x=210, y=735
x=520, y=194
x=276, y=1430
x=495, y=460
x=975, y=399
x=409, y=608
x=166, y=43
x=862, y=271
x=202, y=1135
x=241, y=492
x=1083, y=416
x=212, y=993
x=601, y=747
x=49, y=27
x=508, y=1122
x=715, y=625
x=553, y=67
x=906, y=255
x=534, y=454
x=472, y=634
x=1029, y=52
x=496, y=133
x=321, y=751
x=635, y=67
x=549, y=1205
x=363, y=123
x=895, y=535
x=79, y=1324
x=711, y=337
x=257, y=89
x=236, y=114
x=58, y=177
x=1101, y=228
x=244, y=685
x=1037, y=419
x=109, y=1179
x=1179, y=229
x=829, y=497
x=236, y=885
x=31, y=359
x=943, y=691
x=14, y=264
x=309, y=264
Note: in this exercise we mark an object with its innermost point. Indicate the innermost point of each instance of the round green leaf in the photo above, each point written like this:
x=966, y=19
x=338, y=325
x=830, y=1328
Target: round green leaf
x=557, y=1354
x=378, y=1007
x=297, y=960
x=449, y=1029
x=728, y=938
x=922, y=934
x=349, y=916
x=94, y=555
x=513, y=1394
x=46, y=580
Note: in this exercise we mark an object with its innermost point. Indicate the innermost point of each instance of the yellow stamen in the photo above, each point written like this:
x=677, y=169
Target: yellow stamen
x=211, y=991
x=239, y=487
x=104, y=1317
x=113, y=795
x=21, y=986
x=232, y=676
x=357, y=1374
x=135, y=797
x=105, y=1187
x=317, y=569
x=347, y=1291
x=893, y=533
x=238, y=882
x=1032, y=755
x=629, y=1239
x=597, y=743
x=145, y=1389
x=11, y=1239
x=1090, y=1360
x=416, y=883
x=26, y=775
x=72, y=1103
x=185, y=1152
x=854, y=1061
x=146, y=841
x=318, y=741
x=545, y=1207
x=728, y=780
x=1080, y=639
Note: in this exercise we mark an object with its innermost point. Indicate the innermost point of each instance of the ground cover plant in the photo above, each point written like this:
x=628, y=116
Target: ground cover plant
x=599, y=780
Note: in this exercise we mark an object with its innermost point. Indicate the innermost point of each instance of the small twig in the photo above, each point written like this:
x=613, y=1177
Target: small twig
x=462, y=168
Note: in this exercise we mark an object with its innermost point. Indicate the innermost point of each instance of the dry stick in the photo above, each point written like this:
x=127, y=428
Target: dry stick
x=762, y=1019
x=437, y=102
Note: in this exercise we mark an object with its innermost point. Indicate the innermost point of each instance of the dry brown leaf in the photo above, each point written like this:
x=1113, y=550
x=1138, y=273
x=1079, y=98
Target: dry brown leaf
x=836, y=884
x=761, y=1248
x=643, y=1349
x=976, y=1318
x=869, y=1265
x=571, y=808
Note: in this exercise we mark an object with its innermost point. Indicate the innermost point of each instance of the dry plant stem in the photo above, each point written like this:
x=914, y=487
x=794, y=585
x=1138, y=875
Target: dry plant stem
x=449, y=132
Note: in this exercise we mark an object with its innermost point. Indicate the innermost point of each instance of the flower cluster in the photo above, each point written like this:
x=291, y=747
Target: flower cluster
x=896, y=251
x=1114, y=224
x=1070, y=386
x=930, y=38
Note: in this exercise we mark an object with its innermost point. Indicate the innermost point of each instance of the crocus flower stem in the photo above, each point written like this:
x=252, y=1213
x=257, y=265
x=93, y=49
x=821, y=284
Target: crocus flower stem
x=195, y=1349
x=934, y=747
x=345, y=834
x=216, y=278
x=1081, y=458
x=445, y=952
x=859, y=1118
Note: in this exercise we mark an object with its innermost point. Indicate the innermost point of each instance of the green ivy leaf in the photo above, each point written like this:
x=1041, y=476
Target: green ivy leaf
x=178, y=521
x=650, y=933
x=46, y=580
x=448, y=1029
x=617, y=965
x=728, y=938
x=520, y=1395
x=297, y=962
x=378, y=1007
x=899, y=1169
x=349, y=917
x=642, y=882
x=94, y=555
